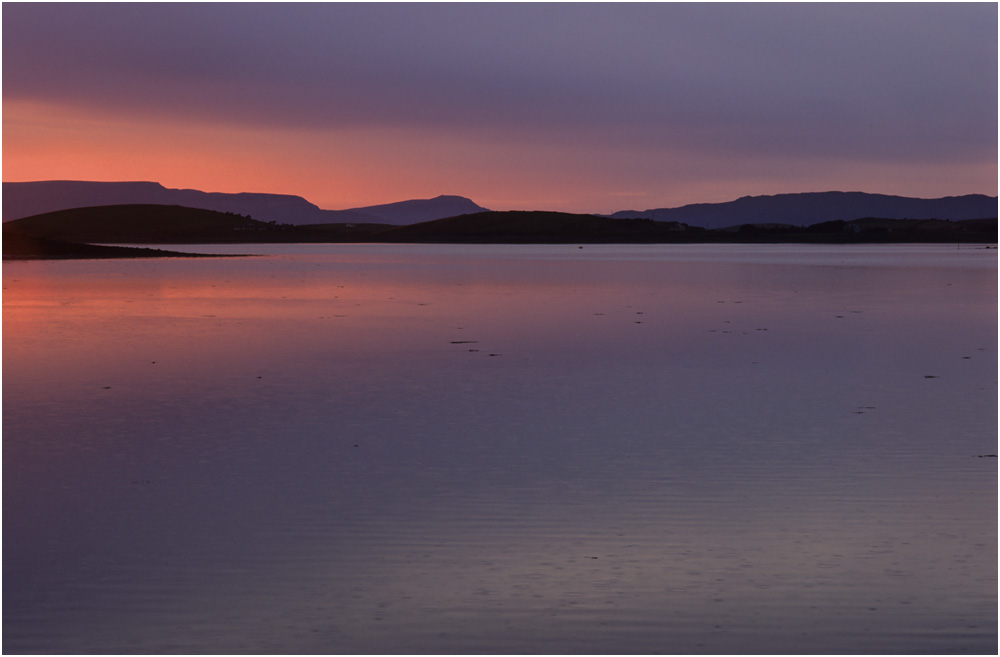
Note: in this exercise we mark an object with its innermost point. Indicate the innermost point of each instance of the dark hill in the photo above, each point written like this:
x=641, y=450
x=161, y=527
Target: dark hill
x=530, y=227
x=137, y=224
x=165, y=224
x=516, y=227
x=173, y=224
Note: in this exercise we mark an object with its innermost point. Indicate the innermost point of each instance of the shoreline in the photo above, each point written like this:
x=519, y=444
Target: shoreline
x=19, y=248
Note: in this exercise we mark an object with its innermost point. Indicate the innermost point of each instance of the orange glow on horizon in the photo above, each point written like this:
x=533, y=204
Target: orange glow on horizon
x=346, y=168
x=50, y=143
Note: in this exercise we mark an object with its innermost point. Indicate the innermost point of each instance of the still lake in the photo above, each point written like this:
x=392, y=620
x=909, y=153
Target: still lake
x=502, y=449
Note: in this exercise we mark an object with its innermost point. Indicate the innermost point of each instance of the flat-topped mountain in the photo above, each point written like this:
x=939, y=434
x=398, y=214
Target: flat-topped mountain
x=418, y=210
x=26, y=199
x=811, y=208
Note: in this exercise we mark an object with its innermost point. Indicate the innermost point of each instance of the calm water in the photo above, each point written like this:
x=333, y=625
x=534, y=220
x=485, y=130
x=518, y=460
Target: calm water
x=494, y=449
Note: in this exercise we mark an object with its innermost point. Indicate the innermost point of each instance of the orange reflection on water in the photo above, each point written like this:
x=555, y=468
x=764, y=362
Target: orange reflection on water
x=591, y=451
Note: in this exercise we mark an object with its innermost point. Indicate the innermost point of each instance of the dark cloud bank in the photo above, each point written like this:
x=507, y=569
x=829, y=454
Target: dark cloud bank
x=896, y=82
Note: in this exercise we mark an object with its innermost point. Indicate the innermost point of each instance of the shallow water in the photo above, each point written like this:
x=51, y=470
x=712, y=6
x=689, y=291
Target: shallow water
x=532, y=449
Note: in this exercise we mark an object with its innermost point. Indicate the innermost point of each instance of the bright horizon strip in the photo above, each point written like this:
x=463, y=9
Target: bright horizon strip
x=362, y=168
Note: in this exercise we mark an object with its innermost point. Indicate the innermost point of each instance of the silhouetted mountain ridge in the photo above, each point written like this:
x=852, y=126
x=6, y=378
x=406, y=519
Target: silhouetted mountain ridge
x=808, y=208
x=26, y=199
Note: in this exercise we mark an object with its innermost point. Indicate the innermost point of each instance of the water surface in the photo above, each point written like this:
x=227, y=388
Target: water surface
x=531, y=449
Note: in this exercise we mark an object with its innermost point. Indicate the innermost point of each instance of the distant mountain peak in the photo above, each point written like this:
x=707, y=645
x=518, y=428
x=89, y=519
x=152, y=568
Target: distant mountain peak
x=419, y=210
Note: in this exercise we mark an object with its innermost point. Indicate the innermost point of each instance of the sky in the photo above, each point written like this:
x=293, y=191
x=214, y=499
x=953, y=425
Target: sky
x=587, y=107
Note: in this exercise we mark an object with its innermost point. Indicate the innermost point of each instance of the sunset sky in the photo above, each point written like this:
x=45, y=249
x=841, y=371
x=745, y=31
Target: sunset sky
x=573, y=107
